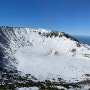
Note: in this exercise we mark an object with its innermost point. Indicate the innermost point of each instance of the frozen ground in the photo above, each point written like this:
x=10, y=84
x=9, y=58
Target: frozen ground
x=50, y=57
x=29, y=88
x=45, y=54
x=44, y=64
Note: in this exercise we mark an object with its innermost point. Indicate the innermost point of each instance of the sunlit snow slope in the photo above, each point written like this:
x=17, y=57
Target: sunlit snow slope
x=44, y=54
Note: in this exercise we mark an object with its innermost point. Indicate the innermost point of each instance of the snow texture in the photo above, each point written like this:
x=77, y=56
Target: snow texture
x=30, y=88
x=45, y=54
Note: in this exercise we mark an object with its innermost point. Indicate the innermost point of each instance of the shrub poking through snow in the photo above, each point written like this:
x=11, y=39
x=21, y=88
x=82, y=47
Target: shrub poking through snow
x=56, y=53
x=73, y=50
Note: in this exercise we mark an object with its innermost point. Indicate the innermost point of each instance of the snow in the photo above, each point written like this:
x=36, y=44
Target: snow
x=29, y=88
x=44, y=65
x=61, y=87
x=85, y=87
x=47, y=58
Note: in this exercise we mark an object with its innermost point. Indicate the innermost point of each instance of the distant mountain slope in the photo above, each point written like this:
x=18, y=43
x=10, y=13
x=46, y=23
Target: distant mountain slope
x=45, y=54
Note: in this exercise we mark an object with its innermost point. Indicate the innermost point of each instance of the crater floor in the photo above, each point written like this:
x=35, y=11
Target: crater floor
x=44, y=54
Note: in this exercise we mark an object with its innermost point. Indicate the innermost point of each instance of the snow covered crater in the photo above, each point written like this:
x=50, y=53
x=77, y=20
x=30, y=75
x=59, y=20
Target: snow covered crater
x=44, y=54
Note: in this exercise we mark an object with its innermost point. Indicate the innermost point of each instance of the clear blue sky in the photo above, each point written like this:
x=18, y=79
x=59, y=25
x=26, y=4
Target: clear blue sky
x=70, y=16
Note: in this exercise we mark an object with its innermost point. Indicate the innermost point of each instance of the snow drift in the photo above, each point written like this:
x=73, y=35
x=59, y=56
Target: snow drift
x=44, y=54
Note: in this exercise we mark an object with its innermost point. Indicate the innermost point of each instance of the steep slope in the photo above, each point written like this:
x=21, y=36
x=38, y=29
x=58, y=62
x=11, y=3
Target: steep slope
x=44, y=54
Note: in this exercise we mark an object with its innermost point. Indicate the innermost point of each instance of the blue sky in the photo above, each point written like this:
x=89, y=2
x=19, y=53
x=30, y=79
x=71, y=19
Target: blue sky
x=70, y=16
